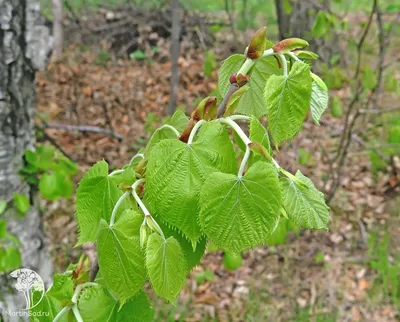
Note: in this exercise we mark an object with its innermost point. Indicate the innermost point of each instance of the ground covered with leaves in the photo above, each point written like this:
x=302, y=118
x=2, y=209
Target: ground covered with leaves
x=349, y=273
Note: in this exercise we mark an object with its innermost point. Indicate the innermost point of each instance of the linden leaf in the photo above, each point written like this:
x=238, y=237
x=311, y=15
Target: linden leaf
x=238, y=213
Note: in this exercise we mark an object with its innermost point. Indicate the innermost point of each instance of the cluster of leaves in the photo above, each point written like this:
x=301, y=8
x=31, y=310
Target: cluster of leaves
x=10, y=256
x=152, y=219
x=51, y=171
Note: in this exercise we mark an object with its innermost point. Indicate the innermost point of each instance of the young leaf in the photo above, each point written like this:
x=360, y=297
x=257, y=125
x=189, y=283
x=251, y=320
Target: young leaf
x=126, y=177
x=3, y=206
x=96, y=304
x=62, y=288
x=230, y=66
x=252, y=102
x=319, y=98
x=96, y=196
x=179, y=120
x=337, y=108
x=193, y=257
x=176, y=171
x=369, y=80
x=238, y=213
x=258, y=133
x=21, y=202
x=305, y=205
x=120, y=257
x=160, y=134
x=3, y=228
x=137, y=309
x=288, y=100
x=47, y=308
x=233, y=101
x=321, y=24
x=166, y=266
x=280, y=233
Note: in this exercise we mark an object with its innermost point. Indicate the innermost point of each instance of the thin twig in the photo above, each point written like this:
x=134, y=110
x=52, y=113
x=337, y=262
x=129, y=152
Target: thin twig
x=380, y=110
x=82, y=128
x=222, y=107
x=55, y=144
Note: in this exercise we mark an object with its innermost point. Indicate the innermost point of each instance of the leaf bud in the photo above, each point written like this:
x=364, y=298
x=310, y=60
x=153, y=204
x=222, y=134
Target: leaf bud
x=257, y=44
x=289, y=44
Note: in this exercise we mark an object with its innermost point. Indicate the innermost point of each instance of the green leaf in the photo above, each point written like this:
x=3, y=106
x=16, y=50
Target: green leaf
x=230, y=66
x=3, y=206
x=97, y=305
x=179, y=120
x=12, y=259
x=62, y=288
x=280, y=233
x=288, y=100
x=319, y=98
x=176, y=171
x=49, y=186
x=47, y=309
x=166, y=266
x=3, y=228
x=233, y=101
x=391, y=83
x=305, y=205
x=241, y=213
x=193, y=257
x=21, y=202
x=120, y=257
x=321, y=24
x=336, y=109
x=160, y=134
x=127, y=177
x=96, y=196
x=137, y=309
x=369, y=80
x=258, y=133
x=251, y=102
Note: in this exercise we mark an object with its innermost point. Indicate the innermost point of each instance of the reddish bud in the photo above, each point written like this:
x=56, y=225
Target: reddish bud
x=242, y=79
x=257, y=44
x=289, y=44
x=232, y=79
x=210, y=108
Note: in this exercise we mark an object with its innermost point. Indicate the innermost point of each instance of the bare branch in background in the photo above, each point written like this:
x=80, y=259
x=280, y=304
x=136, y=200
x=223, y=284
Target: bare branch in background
x=83, y=128
x=175, y=52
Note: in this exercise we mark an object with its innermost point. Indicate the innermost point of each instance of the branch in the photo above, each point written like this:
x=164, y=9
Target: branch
x=222, y=107
x=82, y=128
x=380, y=110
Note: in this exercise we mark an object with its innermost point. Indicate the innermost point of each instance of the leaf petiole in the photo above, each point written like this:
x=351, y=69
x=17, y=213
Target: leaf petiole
x=292, y=177
x=284, y=64
x=244, y=162
x=171, y=128
x=294, y=56
x=194, y=130
x=237, y=129
x=61, y=313
x=147, y=217
x=115, y=209
x=139, y=155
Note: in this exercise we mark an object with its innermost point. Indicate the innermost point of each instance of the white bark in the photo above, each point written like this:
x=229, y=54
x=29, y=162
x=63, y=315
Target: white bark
x=24, y=47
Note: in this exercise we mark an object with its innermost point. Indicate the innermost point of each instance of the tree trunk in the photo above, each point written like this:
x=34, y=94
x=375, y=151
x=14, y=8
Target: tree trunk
x=58, y=34
x=299, y=23
x=24, y=47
